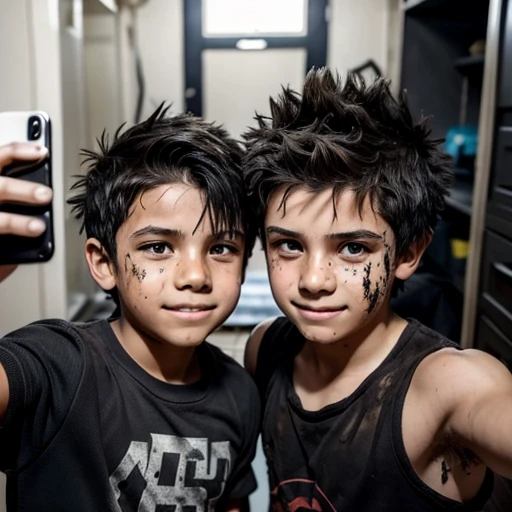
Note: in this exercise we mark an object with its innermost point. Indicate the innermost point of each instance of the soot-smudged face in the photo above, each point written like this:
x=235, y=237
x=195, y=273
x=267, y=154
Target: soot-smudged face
x=330, y=273
x=177, y=280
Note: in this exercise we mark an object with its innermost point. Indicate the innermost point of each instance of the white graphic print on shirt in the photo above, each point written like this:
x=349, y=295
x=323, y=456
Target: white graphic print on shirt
x=178, y=471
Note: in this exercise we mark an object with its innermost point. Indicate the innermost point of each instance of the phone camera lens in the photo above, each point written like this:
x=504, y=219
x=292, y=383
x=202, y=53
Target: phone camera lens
x=34, y=128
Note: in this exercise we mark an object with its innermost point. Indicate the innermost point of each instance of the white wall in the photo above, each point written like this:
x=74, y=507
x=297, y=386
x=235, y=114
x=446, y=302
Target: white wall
x=103, y=84
x=160, y=36
x=358, y=30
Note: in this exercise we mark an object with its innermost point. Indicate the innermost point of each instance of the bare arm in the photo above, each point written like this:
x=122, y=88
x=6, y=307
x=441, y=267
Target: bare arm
x=20, y=191
x=4, y=394
x=478, y=395
x=253, y=345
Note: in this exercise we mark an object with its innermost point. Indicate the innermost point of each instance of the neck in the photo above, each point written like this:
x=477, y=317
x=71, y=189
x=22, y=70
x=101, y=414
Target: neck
x=363, y=351
x=166, y=362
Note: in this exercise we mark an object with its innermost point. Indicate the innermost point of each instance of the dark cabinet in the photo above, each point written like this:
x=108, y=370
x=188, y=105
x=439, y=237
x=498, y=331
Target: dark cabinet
x=493, y=341
x=500, y=199
x=496, y=299
x=505, y=86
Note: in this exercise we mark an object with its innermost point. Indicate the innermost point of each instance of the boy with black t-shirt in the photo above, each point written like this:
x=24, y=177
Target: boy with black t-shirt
x=362, y=410
x=139, y=412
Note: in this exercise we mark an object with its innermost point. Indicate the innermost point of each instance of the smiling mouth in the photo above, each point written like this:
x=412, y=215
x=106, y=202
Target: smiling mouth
x=320, y=313
x=189, y=313
x=189, y=309
x=325, y=309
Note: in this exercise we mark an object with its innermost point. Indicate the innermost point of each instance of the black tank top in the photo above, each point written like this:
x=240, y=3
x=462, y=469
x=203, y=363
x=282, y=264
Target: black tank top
x=348, y=456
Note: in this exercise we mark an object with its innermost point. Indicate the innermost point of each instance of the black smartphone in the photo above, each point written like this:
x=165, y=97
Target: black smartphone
x=25, y=126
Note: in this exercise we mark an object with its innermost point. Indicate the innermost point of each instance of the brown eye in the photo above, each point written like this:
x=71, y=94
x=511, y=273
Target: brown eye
x=287, y=246
x=353, y=249
x=223, y=250
x=157, y=248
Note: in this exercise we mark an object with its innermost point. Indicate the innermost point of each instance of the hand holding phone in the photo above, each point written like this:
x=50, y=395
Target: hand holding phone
x=26, y=232
x=14, y=190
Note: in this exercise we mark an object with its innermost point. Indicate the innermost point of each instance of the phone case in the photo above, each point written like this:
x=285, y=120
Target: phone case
x=31, y=126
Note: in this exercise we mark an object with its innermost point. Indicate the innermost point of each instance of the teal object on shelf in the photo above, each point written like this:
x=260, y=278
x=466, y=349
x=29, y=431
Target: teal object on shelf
x=462, y=141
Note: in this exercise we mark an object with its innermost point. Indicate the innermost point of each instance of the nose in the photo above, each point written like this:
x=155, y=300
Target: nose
x=316, y=276
x=192, y=272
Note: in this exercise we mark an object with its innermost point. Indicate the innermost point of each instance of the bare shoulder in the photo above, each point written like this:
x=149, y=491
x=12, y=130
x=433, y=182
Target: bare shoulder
x=453, y=375
x=4, y=393
x=253, y=344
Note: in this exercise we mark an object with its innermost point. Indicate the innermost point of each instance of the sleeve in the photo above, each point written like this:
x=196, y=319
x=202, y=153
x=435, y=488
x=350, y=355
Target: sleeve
x=44, y=363
x=243, y=481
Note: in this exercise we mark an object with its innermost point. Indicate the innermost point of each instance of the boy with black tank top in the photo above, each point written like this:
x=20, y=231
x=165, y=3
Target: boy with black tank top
x=138, y=412
x=363, y=411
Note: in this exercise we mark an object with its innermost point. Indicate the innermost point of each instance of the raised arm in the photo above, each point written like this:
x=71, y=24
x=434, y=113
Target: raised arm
x=19, y=191
x=477, y=393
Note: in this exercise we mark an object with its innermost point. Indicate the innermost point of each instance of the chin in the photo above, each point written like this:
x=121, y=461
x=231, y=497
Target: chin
x=186, y=343
x=183, y=339
x=324, y=335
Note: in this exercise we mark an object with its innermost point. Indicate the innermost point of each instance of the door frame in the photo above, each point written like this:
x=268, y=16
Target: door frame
x=315, y=44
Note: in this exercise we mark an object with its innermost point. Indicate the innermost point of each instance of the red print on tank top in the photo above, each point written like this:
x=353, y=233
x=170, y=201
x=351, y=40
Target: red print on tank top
x=300, y=495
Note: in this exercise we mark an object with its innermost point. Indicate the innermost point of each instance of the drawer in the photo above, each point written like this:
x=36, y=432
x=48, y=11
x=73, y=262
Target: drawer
x=505, y=94
x=500, y=198
x=496, y=283
x=490, y=339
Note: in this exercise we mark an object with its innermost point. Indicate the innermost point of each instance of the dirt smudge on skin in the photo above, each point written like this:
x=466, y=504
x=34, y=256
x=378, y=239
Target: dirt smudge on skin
x=444, y=472
x=137, y=272
x=372, y=296
x=387, y=264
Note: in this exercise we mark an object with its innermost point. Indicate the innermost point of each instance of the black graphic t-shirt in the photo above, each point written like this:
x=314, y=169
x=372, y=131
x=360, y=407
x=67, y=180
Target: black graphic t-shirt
x=88, y=429
x=349, y=456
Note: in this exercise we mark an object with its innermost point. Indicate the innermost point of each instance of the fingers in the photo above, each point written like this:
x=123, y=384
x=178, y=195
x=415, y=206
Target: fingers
x=21, y=191
x=21, y=225
x=25, y=151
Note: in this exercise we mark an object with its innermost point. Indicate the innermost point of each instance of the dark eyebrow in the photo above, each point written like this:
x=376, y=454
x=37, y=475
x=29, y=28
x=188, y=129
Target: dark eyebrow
x=274, y=230
x=155, y=230
x=364, y=234
x=348, y=235
x=222, y=235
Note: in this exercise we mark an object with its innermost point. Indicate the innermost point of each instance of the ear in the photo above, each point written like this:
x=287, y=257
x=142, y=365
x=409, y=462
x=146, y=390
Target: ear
x=100, y=265
x=409, y=261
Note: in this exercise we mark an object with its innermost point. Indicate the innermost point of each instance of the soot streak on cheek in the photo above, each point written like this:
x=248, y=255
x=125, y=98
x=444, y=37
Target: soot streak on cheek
x=371, y=296
x=387, y=264
x=273, y=264
x=137, y=272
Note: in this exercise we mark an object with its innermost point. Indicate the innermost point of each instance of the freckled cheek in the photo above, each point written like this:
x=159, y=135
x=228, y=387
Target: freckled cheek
x=284, y=278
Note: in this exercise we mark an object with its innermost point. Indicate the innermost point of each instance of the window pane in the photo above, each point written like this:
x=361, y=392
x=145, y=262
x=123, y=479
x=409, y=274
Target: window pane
x=238, y=18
